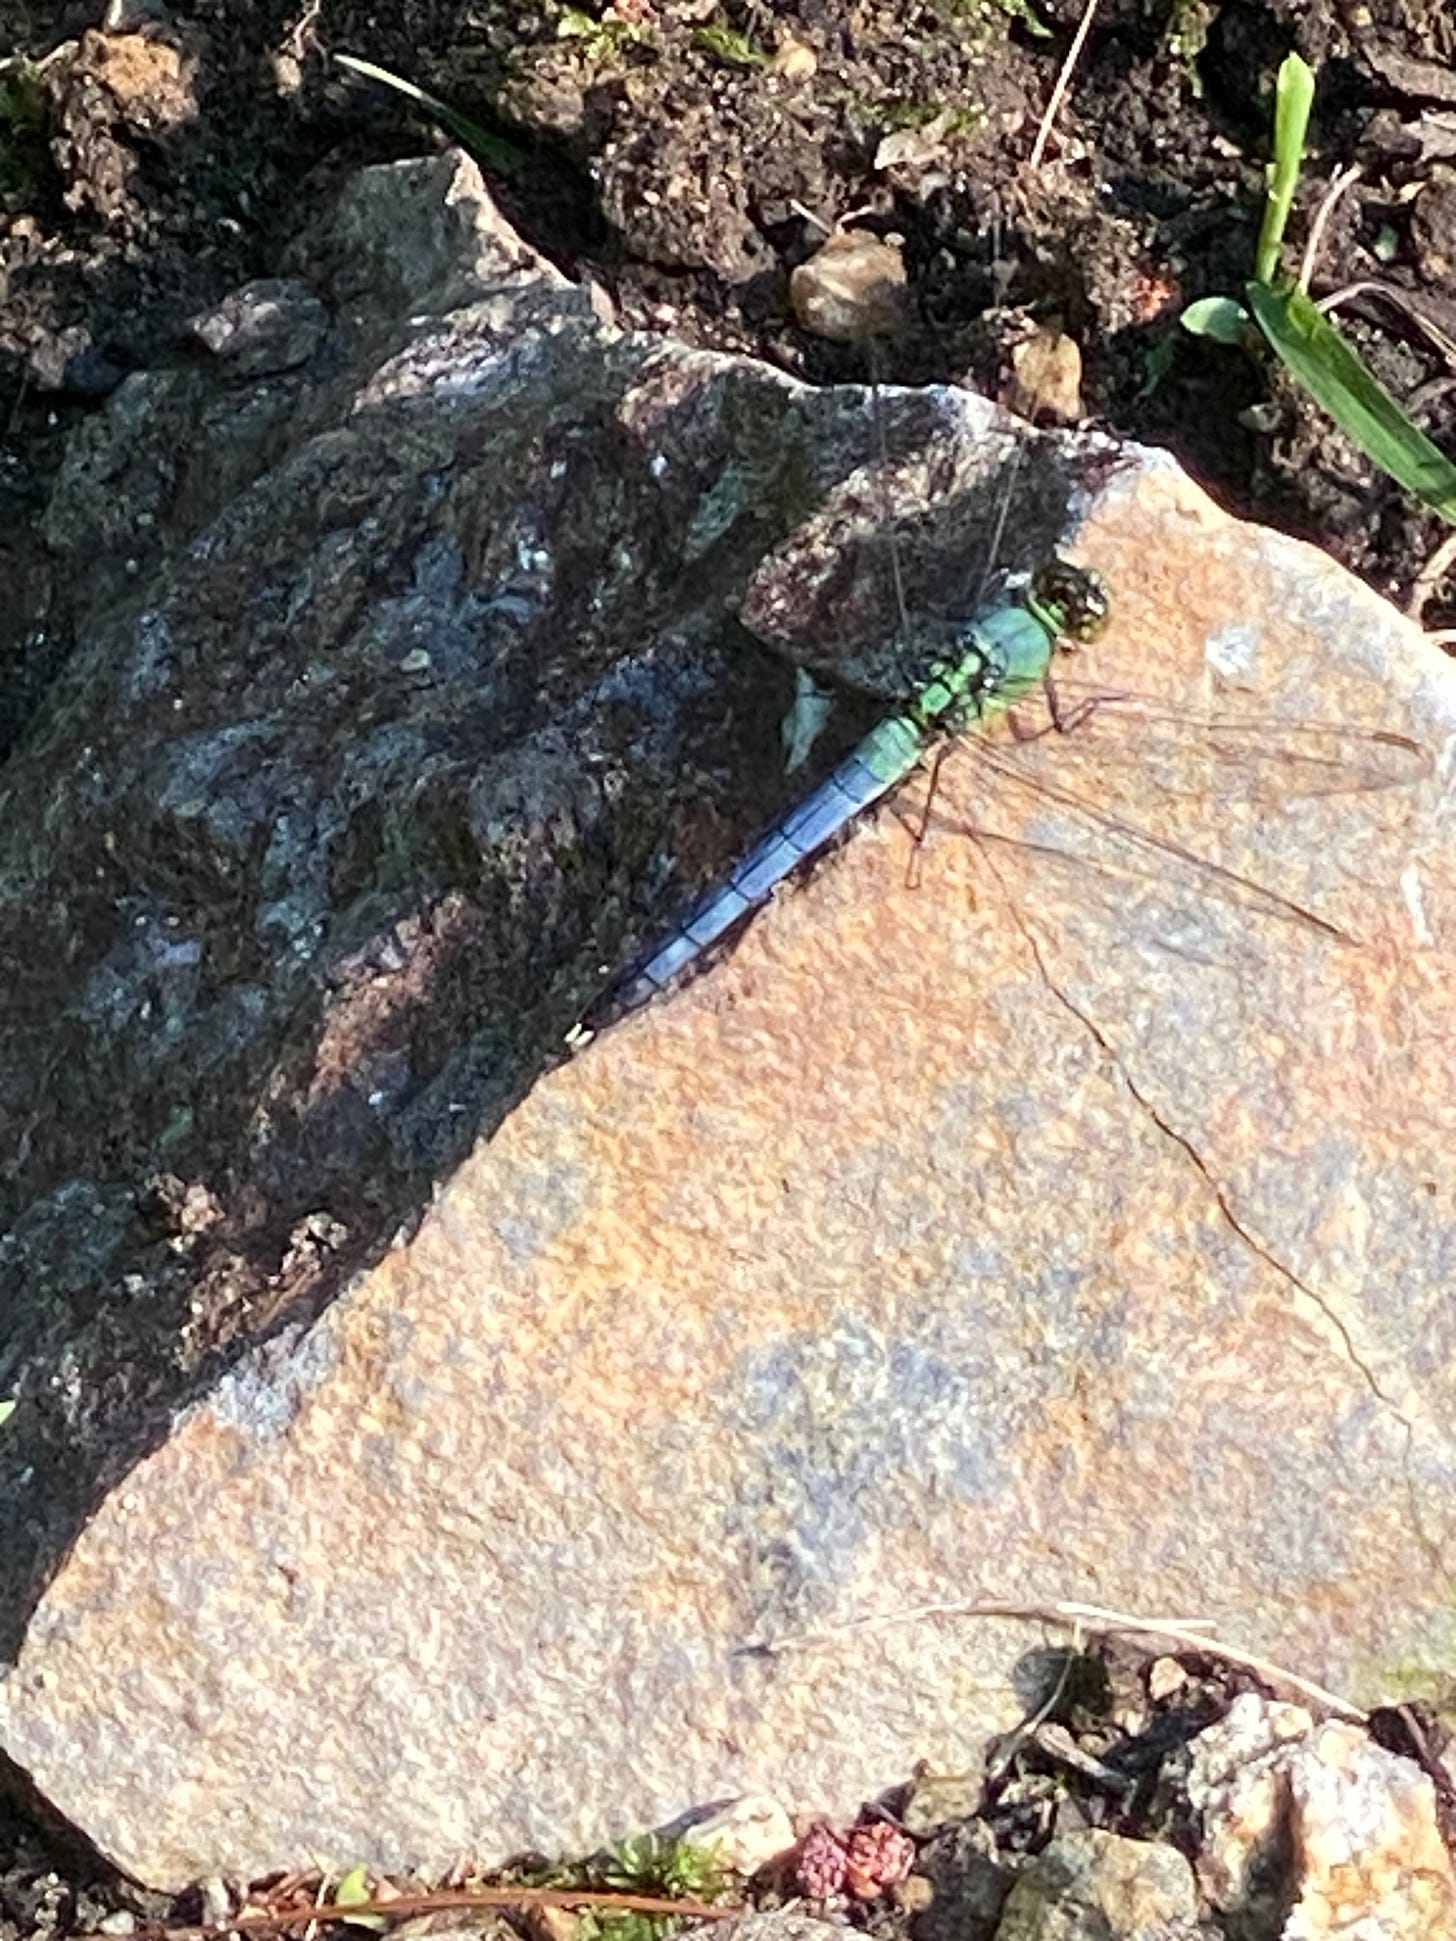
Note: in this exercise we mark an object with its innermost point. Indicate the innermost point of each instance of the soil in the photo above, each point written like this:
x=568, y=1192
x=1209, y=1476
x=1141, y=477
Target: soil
x=667, y=148
x=670, y=149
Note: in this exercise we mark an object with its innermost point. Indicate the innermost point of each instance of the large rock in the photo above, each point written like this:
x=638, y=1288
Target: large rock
x=413, y=666
x=1316, y=1832
x=1062, y=1208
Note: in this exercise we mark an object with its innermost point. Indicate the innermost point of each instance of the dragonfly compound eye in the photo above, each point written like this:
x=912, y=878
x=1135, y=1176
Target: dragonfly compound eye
x=1074, y=598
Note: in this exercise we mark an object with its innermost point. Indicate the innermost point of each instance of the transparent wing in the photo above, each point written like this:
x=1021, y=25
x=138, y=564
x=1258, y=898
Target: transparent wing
x=1253, y=761
x=1271, y=759
x=1229, y=883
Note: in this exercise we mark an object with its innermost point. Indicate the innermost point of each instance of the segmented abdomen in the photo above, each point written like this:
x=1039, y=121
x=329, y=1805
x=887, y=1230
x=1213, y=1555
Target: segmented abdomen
x=885, y=756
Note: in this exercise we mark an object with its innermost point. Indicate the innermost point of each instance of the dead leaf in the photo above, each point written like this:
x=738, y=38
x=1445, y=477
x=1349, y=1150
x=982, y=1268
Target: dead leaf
x=1046, y=379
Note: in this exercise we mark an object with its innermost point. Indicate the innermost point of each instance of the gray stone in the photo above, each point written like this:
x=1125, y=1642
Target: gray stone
x=781, y=1924
x=969, y=1882
x=1060, y=1208
x=939, y=1798
x=267, y=327
x=1098, y=1887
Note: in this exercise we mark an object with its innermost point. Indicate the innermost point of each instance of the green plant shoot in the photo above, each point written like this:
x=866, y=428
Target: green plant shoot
x=353, y=1891
x=1302, y=336
x=484, y=146
x=1293, y=99
x=1309, y=345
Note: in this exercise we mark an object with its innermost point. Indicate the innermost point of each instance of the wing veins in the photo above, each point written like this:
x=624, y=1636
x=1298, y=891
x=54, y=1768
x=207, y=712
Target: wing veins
x=1249, y=891
x=1310, y=745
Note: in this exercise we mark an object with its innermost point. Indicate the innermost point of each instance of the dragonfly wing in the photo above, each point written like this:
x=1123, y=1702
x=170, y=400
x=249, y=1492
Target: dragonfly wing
x=1158, y=850
x=1153, y=790
x=1267, y=758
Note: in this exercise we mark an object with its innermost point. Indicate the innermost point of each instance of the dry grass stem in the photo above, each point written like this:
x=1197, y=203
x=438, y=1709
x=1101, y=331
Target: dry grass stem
x=1342, y=180
x=1063, y=82
x=1192, y=1634
x=1423, y=587
x=268, y=1920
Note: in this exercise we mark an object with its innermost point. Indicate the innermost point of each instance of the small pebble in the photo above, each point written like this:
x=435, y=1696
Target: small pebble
x=854, y=287
x=1165, y=1676
x=217, y=1904
x=795, y=61
x=1046, y=379
x=746, y=1834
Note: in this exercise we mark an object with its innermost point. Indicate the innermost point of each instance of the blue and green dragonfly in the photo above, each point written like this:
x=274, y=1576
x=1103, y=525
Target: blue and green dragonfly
x=996, y=662
x=999, y=660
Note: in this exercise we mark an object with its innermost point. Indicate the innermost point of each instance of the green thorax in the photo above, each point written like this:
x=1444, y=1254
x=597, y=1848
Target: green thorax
x=1005, y=655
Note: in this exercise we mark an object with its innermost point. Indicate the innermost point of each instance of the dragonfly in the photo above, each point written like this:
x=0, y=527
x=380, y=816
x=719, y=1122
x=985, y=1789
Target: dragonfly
x=994, y=663
x=997, y=661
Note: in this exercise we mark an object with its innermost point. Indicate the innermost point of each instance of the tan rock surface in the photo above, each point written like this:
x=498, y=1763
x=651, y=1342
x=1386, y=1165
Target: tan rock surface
x=1068, y=1221
x=1368, y=1843
x=1316, y=1830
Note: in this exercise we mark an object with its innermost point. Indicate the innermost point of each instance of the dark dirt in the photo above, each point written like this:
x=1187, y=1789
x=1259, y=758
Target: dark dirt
x=667, y=149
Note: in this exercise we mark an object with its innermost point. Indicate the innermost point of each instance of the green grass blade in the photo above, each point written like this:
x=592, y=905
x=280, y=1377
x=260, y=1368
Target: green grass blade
x=483, y=145
x=1293, y=98
x=1308, y=343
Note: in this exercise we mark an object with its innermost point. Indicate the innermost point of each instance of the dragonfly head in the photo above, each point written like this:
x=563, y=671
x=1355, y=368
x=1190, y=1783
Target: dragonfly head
x=1072, y=601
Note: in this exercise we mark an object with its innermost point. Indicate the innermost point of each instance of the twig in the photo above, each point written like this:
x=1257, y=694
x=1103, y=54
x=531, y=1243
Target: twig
x=318, y=1902
x=1424, y=585
x=814, y=222
x=251, y=1920
x=1342, y=180
x=1063, y=82
x=20, y=392
x=1191, y=1633
x=1413, y=309
x=882, y=439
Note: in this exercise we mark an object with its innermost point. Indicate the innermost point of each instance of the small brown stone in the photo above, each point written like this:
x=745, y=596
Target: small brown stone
x=1046, y=380
x=853, y=288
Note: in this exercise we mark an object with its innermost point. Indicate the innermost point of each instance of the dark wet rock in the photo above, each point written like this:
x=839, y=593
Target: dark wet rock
x=265, y=328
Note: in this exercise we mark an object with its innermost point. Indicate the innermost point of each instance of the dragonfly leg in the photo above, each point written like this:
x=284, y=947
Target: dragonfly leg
x=1064, y=720
x=919, y=826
